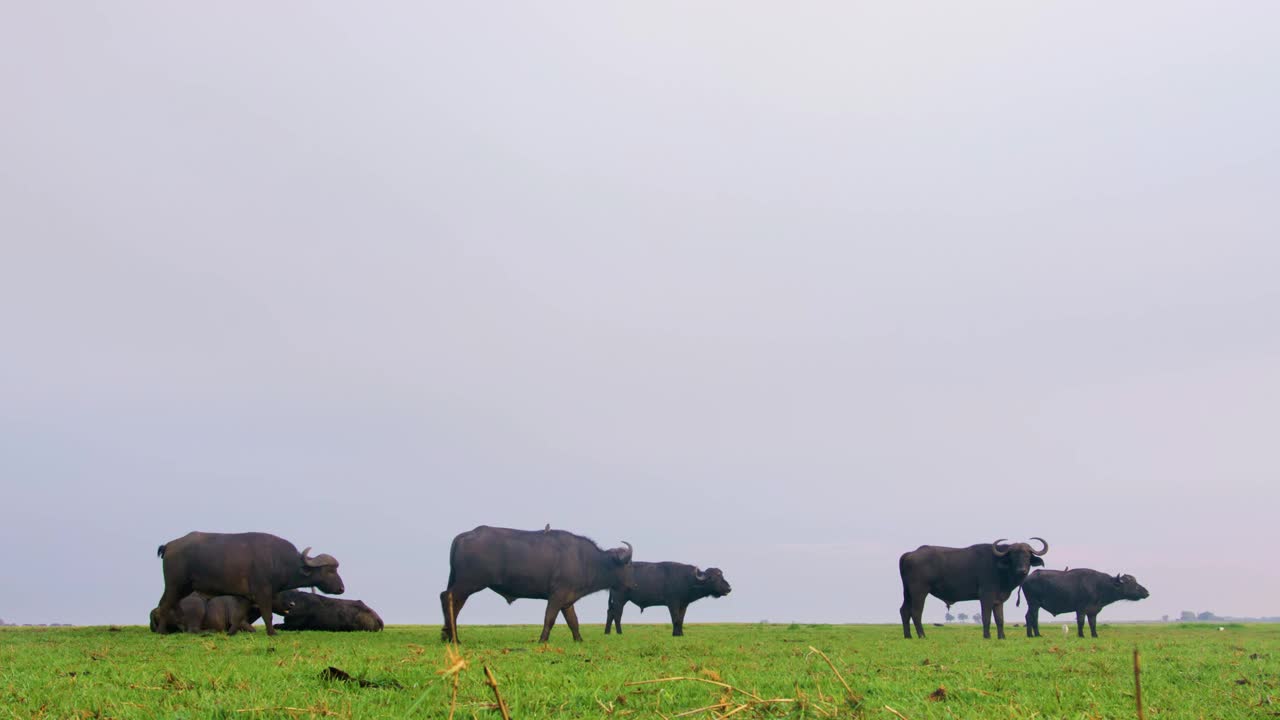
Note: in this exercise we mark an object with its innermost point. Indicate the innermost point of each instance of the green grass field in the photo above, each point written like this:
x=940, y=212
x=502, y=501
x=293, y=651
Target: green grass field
x=1191, y=671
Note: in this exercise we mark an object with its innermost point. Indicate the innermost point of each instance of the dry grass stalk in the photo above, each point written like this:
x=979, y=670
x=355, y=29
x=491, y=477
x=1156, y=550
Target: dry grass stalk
x=717, y=706
x=310, y=711
x=895, y=712
x=732, y=707
x=492, y=682
x=853, y=697
x=753, y=696
x=453, y=622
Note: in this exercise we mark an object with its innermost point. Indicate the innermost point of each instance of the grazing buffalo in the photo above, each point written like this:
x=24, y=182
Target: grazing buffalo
x=987, y=573
x=254, y=566
x=1082, y=591
x=554, y=565
x=665, y=583
x=309, y=611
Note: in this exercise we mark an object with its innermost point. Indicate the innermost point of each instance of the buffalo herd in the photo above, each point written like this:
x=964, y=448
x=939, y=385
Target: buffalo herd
x=219, y=582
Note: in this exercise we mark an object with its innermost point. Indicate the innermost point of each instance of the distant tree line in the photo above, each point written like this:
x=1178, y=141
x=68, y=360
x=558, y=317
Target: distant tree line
x=1206, y=616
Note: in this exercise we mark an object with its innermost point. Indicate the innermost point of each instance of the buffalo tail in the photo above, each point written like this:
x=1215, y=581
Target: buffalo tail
x=1019, y=602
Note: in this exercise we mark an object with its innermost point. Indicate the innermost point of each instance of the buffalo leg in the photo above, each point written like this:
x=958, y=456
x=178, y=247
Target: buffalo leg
x=1093, y=623
x=450, y=632
x=998, y=611
x=677, y=620
x=571, y=619
x=167, y=608
x=263, y=601
x=549, y=619
x=986, y=620
x=1033, y=620
x=908, y=611
x=911, y=611
x=1080, y=624
x=614, y=618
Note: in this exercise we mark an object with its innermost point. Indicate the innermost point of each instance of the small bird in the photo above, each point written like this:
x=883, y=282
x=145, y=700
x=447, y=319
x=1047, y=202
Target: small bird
x=547, y=528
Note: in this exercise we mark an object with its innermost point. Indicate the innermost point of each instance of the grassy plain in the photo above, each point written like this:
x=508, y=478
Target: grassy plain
x=1191, y=671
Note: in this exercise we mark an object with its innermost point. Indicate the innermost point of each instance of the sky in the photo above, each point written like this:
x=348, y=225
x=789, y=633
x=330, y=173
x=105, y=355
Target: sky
x=783, y=291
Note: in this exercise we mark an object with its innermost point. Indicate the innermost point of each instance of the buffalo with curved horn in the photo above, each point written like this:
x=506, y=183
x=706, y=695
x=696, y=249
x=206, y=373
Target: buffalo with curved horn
x=986, y=572
x=672, y=584
x=552, y=565
x=1082, y=591
x=254, y=566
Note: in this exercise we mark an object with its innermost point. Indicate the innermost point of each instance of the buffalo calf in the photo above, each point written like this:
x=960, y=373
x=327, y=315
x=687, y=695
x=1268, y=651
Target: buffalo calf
x=1082, y=591
x=672, y=584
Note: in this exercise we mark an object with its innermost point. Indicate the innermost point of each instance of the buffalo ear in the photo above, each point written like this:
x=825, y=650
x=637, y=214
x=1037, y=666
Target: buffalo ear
x=1037, y=561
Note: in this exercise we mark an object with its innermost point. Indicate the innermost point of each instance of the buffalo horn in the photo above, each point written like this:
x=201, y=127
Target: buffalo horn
x=318, y=561
x=995, y=548
x=1044, y=549
x=627, y=557
x=699, y=575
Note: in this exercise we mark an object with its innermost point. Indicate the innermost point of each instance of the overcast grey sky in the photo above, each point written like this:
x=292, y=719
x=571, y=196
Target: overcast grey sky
x=786, y=289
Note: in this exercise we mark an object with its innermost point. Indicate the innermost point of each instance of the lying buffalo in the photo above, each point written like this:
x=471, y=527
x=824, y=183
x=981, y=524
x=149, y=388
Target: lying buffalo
x=224, y=613
x=254, y=566
x=201, y=613
x=553, y=565
x=1082, y=591
x=674, y=585
x=308, y=611
x=988, y=573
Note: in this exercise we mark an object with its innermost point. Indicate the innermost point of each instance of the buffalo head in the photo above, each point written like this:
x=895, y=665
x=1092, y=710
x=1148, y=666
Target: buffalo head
x=322, y=571
x=713, y=580
x=1018, y=558
x=626, y=577
x=1129, y=589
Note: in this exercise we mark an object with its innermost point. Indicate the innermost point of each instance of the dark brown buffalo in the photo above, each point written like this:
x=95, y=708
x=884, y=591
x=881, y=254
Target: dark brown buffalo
x=672, y=584
x=1082, y=591
x=201, y=613
x=224, y=613
x=317, y=612
x=988, y=573
x=254, y=566
x=552, y=565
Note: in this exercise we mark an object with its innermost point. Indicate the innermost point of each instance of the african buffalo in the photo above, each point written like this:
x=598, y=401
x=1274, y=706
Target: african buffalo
x=224, y=613
x=987, y=573
x=198, y=612
x=554, y=565
x=254, y=566
x=674, y=585
x=317, y=612
x=1082, y=591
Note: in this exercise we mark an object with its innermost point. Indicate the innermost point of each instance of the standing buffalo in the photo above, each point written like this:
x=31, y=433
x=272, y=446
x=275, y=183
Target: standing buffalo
x=665, y=583
x=1082, y=591
x=987, y=573
x=254, y=566
x=308, y=611
x=554, y=565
